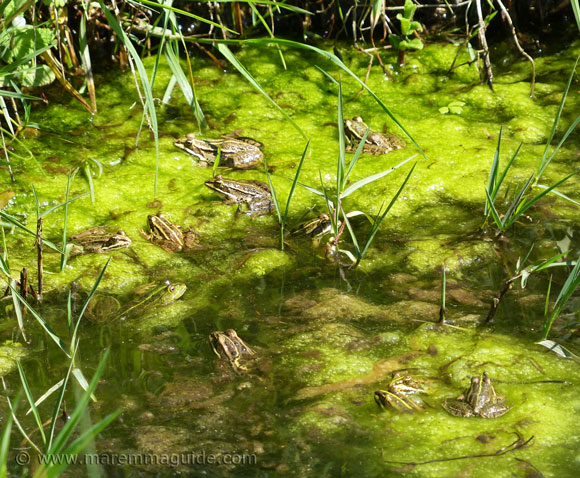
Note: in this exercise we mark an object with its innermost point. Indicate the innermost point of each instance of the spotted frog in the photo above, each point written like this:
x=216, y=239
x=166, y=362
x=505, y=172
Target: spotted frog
x=255, y=194
x=479, y=400
x=231, y=347
x=238, y=153
x=398, y=394
x=375, y=143
x=98, y=240
x=167, y=235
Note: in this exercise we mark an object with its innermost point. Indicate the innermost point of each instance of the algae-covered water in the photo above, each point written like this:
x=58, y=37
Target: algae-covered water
x=325, y=340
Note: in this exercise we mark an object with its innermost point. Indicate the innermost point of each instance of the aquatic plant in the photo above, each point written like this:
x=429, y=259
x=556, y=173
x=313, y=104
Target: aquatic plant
x=54, y=452
x=335, y=203
x=524, y=199
x=283, y=218
x=409, y=27
x=568, y=289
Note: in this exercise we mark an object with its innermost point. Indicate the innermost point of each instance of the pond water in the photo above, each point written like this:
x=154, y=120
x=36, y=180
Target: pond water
x=324, y=340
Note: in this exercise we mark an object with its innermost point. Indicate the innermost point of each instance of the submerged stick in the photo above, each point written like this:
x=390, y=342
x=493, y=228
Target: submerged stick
x=39, y=256
x=497, y=300
x=483, y=42
x=522, y=51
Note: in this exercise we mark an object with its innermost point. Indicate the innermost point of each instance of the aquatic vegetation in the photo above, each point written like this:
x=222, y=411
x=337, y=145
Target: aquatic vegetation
x=334, y=203
x=408, y=27
x=524, y=199
x=55, y=445
x=283, y=218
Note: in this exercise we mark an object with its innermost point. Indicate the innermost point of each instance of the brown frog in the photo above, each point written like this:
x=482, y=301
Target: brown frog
x=237, y=153
x=398, y=394
x=98, y=240
x=255, y=194
x=231, y=347
x=479, y=400
x=167, y=235
x=375, y=143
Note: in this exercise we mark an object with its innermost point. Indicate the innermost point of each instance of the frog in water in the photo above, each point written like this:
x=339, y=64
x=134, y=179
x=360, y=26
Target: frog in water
x=375, y=143
x=98, y=240
x=237, y=153
x=231, y=347
x=255, y=194
x=167, y=235
x=479, y=400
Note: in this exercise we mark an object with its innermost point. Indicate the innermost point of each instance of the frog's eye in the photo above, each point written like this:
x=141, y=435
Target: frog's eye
x=171, y=288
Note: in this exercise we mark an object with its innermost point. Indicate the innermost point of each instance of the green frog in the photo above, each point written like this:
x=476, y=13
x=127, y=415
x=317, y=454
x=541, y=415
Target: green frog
x=376, y=143
x=153, y=295
x=255, y=194
x=398, y=394
x=167, y=235
x=231, y=347
x=238, y=153
x=98, y=240
x=479, y=400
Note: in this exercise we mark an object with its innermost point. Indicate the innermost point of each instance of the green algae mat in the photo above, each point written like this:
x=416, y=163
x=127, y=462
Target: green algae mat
x=320, y=338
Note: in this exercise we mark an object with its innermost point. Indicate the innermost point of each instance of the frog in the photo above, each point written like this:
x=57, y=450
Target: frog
x=255, y=194
x=236, y=153
x=153, y=295
x=314, y=228
x=398, y=394
x=479, y=400
x=231, y=347
x=375, y=143
x=167, y=235
x=98, y=240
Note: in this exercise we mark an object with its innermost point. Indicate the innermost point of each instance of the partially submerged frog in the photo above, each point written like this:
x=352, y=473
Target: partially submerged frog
x=167, y=235
x=479, y=400
x=375, y=143
x=314, y=228
x=255, y=194
x=398, y=394
x=231, y=347
x=238, y=153
x=153, y=295
x=98, y=240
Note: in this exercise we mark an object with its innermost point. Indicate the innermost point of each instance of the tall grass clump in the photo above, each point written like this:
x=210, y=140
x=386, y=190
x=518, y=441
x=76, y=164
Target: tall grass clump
x=524, y=197
x=334, y=201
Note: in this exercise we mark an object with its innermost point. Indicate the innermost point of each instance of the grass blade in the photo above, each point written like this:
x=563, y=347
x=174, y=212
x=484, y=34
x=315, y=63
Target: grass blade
x=17, y=308
x=527, y=205
x=67, y=430
x=493, y=171
x=30, y=399
x=185, y=86
x=378, y=223
x=336, y=61
x=545, y=161
x=369, y=179
x=64, y=256
x=505, y=171
x=274, y=197
x=227, y=53
x=293, y=187
x=5, y=445
x=357, y=154
x=42, y=323
x=494, y=213
x=149, y=103
x=341, y=163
